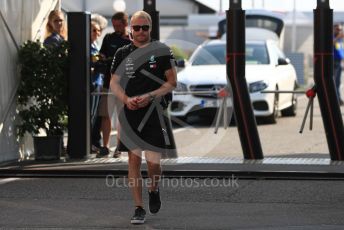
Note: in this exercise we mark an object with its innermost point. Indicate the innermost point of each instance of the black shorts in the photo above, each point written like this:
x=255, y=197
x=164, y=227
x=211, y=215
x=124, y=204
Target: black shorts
x=134, y=134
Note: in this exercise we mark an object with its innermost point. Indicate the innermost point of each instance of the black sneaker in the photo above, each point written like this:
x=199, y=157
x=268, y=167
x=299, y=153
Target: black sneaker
x=139, y=217
x=154, y=202
x=116, y=153
x=95, y=149
x=103, y=151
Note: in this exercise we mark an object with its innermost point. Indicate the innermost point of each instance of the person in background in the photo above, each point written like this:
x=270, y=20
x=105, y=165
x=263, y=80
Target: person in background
x=98, y=24
x=110, y=45
x=221, y=28
x=55, y=34
x=143, y=72
x=56, y=29
x=338, y=56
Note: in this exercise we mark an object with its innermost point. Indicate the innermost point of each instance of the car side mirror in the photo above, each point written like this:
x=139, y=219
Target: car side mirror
x=180, y=63
x=283, y=61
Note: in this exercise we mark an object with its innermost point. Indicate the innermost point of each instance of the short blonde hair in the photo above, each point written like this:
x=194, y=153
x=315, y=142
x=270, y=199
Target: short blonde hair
x=100, y=20
x=142, y=14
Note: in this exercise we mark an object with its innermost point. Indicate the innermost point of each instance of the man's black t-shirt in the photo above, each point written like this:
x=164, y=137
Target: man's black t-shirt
x=111, y=43
x=142, y=70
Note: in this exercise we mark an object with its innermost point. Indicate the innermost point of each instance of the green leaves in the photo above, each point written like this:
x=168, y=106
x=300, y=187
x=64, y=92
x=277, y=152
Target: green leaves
x=42, y=94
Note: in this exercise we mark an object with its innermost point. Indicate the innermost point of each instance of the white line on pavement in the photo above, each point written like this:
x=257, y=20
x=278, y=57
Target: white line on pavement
x=8, y=180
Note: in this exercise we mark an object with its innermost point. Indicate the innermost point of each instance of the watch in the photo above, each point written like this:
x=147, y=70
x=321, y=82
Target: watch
x=151, y=96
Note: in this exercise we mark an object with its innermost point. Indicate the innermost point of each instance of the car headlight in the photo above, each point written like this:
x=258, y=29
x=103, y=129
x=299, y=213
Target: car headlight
x=257, y=86
x=181, y=87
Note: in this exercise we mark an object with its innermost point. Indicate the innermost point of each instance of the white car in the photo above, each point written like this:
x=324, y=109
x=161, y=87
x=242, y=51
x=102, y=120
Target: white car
x=267, y=69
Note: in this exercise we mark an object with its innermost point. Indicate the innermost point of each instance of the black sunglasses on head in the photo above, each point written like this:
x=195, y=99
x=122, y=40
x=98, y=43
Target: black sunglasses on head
x=138, y=27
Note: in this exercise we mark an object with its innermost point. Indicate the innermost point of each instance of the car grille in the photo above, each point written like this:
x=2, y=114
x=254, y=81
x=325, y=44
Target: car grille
x=260, y=105
x=206, y=91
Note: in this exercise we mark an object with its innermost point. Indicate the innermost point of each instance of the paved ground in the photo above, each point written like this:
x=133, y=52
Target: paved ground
x=189, y=202
x=282, y=139
x=46, y=203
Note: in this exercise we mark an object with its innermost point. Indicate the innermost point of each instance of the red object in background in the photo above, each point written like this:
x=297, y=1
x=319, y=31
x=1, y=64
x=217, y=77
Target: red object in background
x=223, y=93
x=310, y=93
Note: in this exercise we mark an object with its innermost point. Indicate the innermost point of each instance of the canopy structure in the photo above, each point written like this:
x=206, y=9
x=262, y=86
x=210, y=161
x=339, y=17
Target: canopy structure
x=20, y=20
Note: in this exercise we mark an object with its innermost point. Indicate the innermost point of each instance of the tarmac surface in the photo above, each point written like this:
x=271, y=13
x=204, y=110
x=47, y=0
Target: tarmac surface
x=99, y=197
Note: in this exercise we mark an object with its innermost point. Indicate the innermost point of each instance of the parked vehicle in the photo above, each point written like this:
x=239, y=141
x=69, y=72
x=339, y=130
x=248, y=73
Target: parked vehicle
x=267, y=69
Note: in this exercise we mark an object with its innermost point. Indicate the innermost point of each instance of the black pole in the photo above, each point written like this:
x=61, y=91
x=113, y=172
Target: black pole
x=150, y=7
x=245, y=119
x=323, y=78
x=79, y=85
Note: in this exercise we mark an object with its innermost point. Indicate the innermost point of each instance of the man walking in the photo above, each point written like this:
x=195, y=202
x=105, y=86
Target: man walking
x=143, y=72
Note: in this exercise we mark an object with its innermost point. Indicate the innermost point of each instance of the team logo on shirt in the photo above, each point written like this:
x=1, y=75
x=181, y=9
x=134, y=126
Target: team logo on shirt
x=152, y=62
x=129, y=61
x=129, y=68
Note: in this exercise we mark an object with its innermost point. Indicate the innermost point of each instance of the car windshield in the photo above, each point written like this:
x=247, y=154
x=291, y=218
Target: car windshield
x=215, y=55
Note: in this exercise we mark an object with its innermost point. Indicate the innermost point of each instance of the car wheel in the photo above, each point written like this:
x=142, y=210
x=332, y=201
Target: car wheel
x=273, y=117
x=291, y=110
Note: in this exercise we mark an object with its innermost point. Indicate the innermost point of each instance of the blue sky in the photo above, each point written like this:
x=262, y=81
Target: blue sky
x=276, y=5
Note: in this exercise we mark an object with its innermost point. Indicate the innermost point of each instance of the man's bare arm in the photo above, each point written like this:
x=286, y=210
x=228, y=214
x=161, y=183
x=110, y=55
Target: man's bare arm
x=168, y=86
x=117, y=90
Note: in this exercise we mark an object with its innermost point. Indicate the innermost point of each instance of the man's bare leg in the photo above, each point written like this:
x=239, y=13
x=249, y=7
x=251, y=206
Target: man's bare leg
x=154, y=173
x=134, y=175
x=106, y=130
x=117, y=153
x=154, y=168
